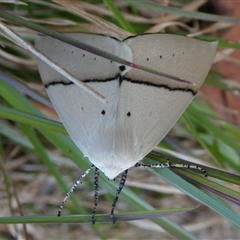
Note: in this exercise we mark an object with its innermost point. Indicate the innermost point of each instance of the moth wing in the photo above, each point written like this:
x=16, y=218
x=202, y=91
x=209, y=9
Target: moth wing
x=149, y=105
x=89, y=122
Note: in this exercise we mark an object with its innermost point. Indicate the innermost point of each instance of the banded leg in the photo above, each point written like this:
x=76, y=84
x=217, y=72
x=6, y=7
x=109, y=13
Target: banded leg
x=189, y=166
x=96, y=189
x=120, y=188
x=173, y=165
x=79, y=180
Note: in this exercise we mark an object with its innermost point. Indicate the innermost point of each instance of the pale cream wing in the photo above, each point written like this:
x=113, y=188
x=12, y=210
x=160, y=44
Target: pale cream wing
x=89, y=122
x=149, y=105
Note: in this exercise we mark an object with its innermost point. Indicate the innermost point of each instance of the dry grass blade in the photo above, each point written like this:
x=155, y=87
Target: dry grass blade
x=170, y=18
x=24, y=44
x=212, y=28
x=77, y=8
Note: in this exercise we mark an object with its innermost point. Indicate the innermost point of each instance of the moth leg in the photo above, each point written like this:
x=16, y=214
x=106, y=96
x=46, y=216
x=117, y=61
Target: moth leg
x=120, y=188
x=173, y=165
x=79, y=180
x=96, y=189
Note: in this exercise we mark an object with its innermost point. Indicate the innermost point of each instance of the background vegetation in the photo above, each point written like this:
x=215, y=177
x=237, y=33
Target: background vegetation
x=39, y=162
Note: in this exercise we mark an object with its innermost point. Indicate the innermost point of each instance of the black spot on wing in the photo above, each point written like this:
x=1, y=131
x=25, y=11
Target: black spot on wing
x=122, y=68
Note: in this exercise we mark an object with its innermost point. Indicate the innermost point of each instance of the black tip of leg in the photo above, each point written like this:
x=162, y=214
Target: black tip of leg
x=96, y=189
x=93, y=219
x=113, y=218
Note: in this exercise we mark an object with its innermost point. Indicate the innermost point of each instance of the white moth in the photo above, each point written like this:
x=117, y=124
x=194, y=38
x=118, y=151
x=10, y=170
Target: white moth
x=142, y=107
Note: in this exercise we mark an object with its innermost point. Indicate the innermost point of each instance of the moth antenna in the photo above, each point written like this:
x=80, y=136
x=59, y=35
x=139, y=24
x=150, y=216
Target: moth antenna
x=120, y=188
x=96, y=189
x=173, y=165
x=79, y=180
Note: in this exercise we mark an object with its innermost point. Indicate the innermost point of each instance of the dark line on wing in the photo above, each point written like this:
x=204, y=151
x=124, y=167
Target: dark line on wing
x=161, y=86
x=54, y=83
x=121, y=79
x=102, y=80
